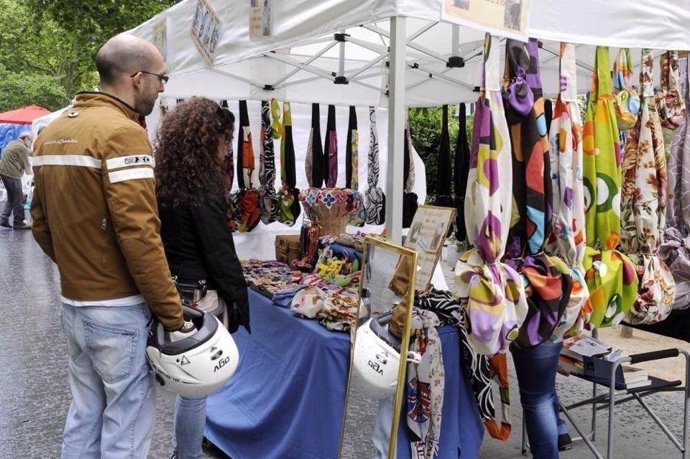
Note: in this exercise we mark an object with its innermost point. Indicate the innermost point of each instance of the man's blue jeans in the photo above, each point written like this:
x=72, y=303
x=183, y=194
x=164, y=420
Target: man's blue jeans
x=536, y=373
x=190, y=419
x=113, y=406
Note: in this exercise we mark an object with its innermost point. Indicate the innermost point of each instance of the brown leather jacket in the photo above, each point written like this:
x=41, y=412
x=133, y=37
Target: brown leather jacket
x=94, y=207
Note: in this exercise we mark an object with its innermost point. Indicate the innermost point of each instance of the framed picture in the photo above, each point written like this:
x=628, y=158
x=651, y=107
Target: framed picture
x=505, y=17
x=426, y=236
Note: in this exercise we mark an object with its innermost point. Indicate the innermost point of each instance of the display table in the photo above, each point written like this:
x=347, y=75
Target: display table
x=287, y=397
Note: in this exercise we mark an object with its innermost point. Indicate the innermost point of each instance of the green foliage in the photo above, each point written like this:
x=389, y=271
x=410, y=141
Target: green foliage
x=425, y=130
x=48, y=46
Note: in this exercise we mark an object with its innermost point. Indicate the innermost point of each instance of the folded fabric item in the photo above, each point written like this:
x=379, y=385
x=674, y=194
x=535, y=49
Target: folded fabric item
x=308, y=302
x=283, y=298
x=340, y=310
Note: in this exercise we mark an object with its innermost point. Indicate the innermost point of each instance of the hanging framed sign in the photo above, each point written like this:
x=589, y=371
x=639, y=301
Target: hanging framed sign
x=507, y=18
x=260, y=19
x=206, y=30
x=427, y=233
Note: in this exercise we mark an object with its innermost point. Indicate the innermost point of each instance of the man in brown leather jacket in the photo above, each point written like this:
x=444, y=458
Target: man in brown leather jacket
x=95, y=216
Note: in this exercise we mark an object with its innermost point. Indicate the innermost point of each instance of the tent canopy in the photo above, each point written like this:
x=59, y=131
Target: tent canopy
x=313, y=45
x=24, y=115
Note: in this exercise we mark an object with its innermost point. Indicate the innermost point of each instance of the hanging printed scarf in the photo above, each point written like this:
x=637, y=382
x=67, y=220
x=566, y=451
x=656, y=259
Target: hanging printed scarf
x=462, y=168
x=375, y=204
x=643, y=207
x=481, y=371
x=246, y=199
x=491, y=291
x=627, y=101
x=675, y=250
x=443, y=169
x=314, y=163
x=267, y=169
x=547, y=278
x=610, y=275
x=359, y=216
x=330, y=150
x=567, y=239
x=288, y=195
x=670, y=100
x=425, y=384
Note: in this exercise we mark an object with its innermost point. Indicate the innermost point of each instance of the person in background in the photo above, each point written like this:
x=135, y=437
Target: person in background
x=14, y=164
x=95, y=215
x=190, y=146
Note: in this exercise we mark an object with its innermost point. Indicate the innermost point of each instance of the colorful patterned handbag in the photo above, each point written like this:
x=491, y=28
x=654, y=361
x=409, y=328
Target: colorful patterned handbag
x=669, y=98
x=627, y=101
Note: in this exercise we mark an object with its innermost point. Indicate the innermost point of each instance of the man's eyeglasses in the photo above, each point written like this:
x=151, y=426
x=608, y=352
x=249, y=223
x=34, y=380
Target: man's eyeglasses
x=162, y=78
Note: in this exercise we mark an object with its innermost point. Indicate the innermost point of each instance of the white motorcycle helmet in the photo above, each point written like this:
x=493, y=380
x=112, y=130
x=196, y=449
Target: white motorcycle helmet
x=197, y=365
x=377, y=358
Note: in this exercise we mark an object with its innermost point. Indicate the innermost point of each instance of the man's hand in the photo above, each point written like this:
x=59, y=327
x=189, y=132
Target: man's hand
x=187, y=330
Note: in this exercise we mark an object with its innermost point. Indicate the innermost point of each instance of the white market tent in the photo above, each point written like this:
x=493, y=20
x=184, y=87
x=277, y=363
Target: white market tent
x=392, y=53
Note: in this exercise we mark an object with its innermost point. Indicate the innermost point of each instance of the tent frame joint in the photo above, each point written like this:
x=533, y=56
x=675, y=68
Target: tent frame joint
x=455, y=62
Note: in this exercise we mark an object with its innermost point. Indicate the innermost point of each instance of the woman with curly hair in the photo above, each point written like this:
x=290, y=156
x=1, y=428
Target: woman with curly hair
x=190, y=146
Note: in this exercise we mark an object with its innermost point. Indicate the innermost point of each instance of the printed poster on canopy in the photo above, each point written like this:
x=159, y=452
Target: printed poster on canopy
x=160, y=38
x=206, y=30
x=426, y=236
x=260, y=19
x=507, y=18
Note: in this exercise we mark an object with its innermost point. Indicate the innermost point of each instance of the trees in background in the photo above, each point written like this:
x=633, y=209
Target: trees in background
x=47, y=47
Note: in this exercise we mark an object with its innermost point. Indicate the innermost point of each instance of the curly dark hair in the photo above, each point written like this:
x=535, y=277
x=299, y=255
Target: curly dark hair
x=186, y=150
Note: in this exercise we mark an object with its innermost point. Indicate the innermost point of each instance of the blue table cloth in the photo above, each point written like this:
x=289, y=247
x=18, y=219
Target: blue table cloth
x=287, y=397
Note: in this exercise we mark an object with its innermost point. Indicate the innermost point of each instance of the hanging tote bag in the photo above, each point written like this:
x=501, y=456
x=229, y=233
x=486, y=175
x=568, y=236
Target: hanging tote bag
x=268, y=198
x=314, y=163
x=358, y=215
x=462, y=168
x=491, y=291
x=610, y=275
x=567, y=239
x=410, y=198
x=627, y=99
x=375, y=200
x=547, y=279
x=643, y=207
x=330, y=150
x=443, y=167
x=290, y=208
x=669, y=99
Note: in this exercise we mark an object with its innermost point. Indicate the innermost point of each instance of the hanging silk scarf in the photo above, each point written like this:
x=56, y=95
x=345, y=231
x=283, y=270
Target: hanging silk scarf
x=567, y=240
x=410, y=198
x=314, y=163
x=288, y=195
x=247, y=198
x=491, y=291
x=375, y=204
x=330, y=150
x=462, y=168
x=609, y=274
x=675, y=250
x=267, y=169
x=670, y=100
x=359, y=215
x=425, y=383
x=627, y=101
x=228, y=168
x=643, y=207
x=547, y=279
x=443, y=168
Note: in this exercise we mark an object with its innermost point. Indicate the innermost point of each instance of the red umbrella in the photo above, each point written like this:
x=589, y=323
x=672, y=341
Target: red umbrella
x=23, y=115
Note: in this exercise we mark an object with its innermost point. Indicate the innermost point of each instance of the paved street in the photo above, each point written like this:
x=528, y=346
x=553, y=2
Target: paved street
x=34, y=395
